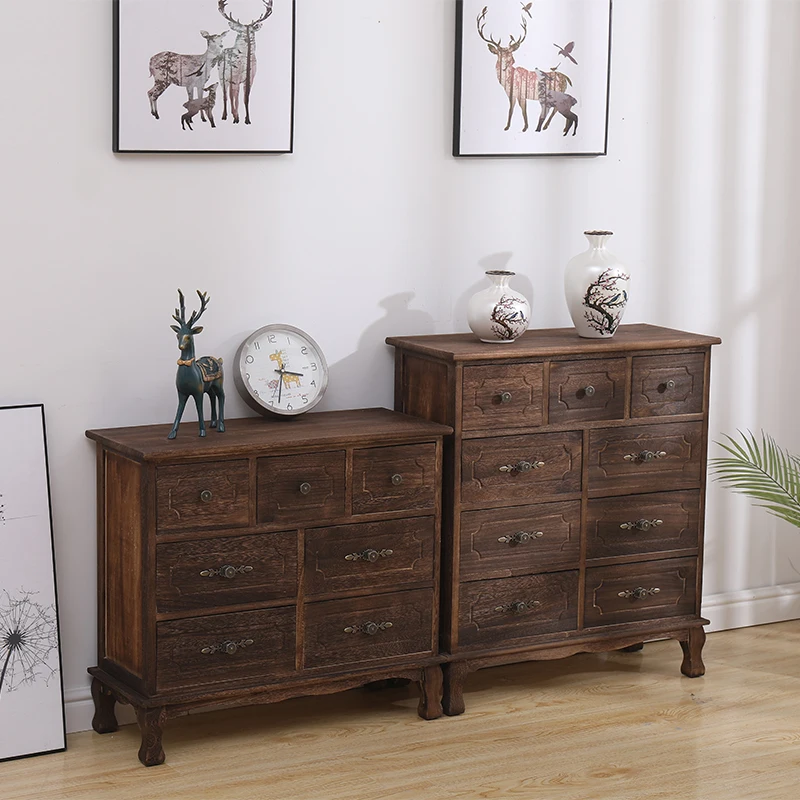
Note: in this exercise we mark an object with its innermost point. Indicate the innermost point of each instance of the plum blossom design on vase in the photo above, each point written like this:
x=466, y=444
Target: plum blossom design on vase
x=28, y=642
x=605, y=301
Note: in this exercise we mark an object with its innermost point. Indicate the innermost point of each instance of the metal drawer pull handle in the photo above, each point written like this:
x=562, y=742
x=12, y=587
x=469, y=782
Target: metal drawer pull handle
x=226, y=571
x=639, y=593
x=370, y=628
x=642, y=524
x=589, y=391
x=645, y=456
x=505, y=397
x=368, y=555
x=397, y=479
x=206, y=496
x=228, y=648
x=521, y=536
x=522, y=466
x=305, y=488
x=518, y=607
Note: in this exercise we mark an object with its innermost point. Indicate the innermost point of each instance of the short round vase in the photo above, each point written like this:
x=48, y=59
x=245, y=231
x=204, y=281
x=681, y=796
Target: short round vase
x=596, y=287
x=498, y=314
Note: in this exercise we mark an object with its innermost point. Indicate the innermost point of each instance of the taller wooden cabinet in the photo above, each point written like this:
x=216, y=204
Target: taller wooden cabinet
x=573, y=491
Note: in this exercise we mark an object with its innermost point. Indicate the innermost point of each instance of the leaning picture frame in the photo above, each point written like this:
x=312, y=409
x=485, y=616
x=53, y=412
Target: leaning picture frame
x=203, y=76
x=532, y=78
x=32, y=719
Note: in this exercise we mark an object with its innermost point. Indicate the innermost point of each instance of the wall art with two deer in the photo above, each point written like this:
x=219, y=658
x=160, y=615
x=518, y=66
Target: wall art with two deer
x=532, y=77
x=204, y=75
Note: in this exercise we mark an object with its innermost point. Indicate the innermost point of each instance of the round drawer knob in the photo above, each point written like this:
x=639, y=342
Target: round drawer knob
x=206, y=496
x=589, y=391
x=505, y=397
x=670, y=384
x=228, y=571
x=230, y=648
x=397, y=479
x=305, y=488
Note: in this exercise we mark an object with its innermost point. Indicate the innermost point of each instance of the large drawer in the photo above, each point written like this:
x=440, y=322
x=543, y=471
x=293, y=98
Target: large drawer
x=503, y=612
x=587, y=390
x=225, y=647
x=641, y=591
x=399, y=478
x=503, y=542
x=645, y=458
x=374, y=628
x=207, y=495
x=667, y=385
x=642, y=523
x=369, y=555
x=226, y=571
x=520, y=469
x=308, y=487
x=506, y=395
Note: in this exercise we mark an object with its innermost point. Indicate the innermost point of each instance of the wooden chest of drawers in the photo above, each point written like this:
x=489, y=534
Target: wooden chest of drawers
x=573, y=491
x=280, y=558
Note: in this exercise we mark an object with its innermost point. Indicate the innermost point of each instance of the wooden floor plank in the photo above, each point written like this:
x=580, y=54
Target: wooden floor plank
x=622, y=726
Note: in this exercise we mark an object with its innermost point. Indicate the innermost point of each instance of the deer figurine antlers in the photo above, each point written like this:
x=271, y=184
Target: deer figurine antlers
x=196, y=376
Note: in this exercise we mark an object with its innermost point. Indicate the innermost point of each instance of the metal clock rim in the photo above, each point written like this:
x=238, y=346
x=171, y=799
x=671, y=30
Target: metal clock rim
x=244, y=388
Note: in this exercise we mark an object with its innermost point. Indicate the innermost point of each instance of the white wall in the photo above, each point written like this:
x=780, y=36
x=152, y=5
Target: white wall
x=371, y=228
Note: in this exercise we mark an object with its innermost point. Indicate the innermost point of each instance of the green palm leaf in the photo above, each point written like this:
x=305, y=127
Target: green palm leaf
x=762, y=471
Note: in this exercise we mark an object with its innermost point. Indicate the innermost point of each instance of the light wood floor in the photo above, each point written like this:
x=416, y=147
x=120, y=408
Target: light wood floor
x=593, y=727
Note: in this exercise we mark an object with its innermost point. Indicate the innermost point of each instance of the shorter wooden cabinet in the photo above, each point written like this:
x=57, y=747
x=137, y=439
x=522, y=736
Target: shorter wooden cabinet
x=278, y=559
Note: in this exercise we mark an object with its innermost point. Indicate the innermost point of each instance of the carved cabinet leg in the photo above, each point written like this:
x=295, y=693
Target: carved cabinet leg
x=151, y=724
x=454, y=676
x=692, y=646
x=104, y=720
x=430, y=693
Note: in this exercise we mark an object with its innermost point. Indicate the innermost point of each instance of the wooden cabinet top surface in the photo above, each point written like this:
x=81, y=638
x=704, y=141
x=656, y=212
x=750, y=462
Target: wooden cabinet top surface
x=243, y=436
x=550, y=342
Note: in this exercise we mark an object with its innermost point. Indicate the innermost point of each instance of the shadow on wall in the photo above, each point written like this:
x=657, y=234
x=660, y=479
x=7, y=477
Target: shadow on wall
x=365, y=378
x=495, y=261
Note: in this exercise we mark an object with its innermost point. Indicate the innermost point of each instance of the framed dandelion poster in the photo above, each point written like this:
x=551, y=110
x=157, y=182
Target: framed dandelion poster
x=532, y=77
x=31, y=689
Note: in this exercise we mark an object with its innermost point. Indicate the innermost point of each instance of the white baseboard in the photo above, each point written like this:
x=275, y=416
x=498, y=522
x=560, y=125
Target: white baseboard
x=725, y=611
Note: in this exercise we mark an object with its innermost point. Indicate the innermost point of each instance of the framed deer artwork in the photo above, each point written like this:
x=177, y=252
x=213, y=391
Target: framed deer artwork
x=31, y=689
x=532, y=77
x=203, y=76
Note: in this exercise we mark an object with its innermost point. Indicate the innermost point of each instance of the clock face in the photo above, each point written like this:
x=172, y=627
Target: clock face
x=280, y=369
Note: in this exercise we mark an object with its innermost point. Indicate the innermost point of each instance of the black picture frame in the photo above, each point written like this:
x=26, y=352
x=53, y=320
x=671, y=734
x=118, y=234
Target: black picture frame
x=30, y=639
x=464, y=128
x=231, y=141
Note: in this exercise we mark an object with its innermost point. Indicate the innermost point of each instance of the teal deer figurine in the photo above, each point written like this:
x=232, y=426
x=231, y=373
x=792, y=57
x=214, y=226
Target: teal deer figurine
x=196, y=376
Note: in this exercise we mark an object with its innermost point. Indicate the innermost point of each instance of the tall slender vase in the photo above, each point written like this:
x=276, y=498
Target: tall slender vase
x=498, y=314
x=596, y=287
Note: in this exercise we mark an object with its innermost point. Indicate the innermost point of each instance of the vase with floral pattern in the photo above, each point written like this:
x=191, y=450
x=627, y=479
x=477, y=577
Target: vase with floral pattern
x=498, y=314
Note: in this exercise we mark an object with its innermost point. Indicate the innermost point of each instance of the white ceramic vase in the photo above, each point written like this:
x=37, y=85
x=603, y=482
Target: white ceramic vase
x=498, y=314
x=596, y=287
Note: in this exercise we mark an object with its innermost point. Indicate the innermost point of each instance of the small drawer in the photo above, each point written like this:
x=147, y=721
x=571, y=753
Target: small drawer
x=367, y=629
x=581, y=391
x=507, y=396
x=399, y=478
x=369, y=555
x=301, y=488
x=642, y=523
x=195, y=496
x=225, y=647
x=504, y=542
x=513, y=470
x=503, y=612
x=645, y=458
x=665, y=385
x=226, y=571
x=635, y=592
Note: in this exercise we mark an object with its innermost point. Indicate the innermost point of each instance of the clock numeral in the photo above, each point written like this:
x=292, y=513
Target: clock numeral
x=289, y=407
x=247, y=375
x=271, y=338
x=288, y=340
x=305, y=398
x=271, y=403
x=255, y=392
x=304, y=350
x=313, y=383
x=249, y=359
x=314, y=365
x=256, y=345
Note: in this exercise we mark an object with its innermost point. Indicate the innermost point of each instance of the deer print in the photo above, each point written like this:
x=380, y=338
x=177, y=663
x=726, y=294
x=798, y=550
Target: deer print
x=289, y=378
x=520, y=84
x=205, y=106
x=237, y=64
x=196, y=376
x=561, y=102
x=167, y=68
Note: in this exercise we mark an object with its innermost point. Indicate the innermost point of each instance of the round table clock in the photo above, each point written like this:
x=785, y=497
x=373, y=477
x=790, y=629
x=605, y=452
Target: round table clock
x=280, y=370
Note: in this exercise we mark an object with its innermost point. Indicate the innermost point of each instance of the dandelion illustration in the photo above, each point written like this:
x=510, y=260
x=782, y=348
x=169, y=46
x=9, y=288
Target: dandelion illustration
x=28, y=641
